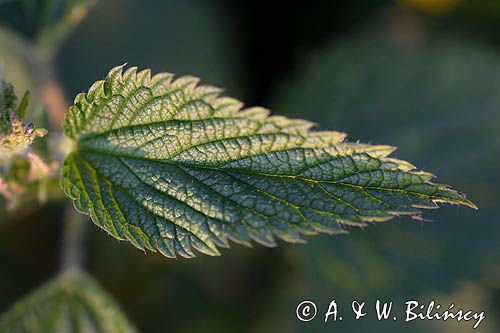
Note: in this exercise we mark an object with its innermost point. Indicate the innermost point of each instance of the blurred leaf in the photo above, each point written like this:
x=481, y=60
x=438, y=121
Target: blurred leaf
x=33, y=18
x=23, y=105
x=73, y=302
x=170, y=166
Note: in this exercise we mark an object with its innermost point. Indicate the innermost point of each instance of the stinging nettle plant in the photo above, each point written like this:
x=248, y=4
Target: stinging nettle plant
x=174, y=167
x=171, y=166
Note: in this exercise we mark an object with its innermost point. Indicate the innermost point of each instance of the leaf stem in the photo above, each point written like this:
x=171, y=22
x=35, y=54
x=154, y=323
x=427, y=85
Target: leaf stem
x=73, y=239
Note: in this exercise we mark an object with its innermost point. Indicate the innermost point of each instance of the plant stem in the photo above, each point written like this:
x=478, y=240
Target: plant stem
x=40, y=57
x=73, y=238
x=73, y=233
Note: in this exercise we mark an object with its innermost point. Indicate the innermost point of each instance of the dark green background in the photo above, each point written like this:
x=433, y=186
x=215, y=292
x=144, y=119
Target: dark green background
x=384, y=73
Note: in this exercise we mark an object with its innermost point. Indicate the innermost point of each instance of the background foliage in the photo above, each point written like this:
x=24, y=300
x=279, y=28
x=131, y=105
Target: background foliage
x=405, y=73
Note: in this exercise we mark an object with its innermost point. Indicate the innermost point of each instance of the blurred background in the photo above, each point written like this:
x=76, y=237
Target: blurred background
x=422, y=75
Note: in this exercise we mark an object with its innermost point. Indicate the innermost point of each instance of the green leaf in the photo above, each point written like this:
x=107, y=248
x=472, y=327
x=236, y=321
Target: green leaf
x=21, y=109
x=171, y=166
x=73, y=302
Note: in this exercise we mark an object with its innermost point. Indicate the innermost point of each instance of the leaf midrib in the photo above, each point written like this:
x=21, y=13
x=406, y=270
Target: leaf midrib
x=293, y=177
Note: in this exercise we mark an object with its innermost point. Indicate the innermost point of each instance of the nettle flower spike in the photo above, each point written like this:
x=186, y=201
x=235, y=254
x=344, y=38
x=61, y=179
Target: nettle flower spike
x=15, y=135
x=22, y=172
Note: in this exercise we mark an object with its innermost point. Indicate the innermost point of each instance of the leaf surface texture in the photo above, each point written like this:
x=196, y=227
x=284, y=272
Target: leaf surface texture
x=171, y=166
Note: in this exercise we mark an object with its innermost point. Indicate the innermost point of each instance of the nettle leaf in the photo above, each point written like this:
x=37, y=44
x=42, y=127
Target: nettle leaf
x=171, y=166
x=73, y=302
